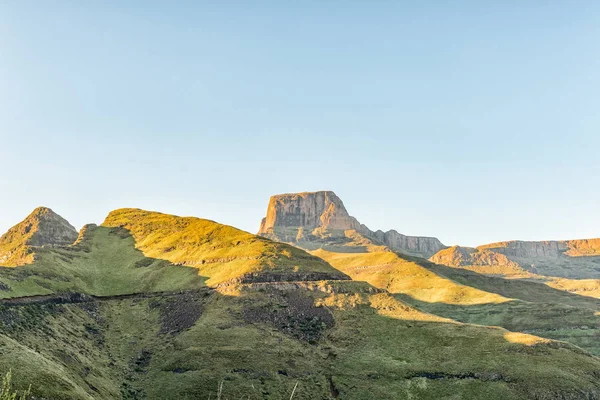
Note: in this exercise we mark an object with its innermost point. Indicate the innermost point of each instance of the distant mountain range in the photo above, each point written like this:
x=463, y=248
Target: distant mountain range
x=303, y=218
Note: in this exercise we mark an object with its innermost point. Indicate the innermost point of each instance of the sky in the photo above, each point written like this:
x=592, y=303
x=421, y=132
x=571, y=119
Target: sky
x=470, y=121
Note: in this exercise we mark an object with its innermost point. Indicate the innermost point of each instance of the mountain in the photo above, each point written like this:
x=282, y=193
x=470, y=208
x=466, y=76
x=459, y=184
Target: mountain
x=43, y=227
x=579, y=259
x=155, y=306
x=311, y=216
x=554, y=308
x=219, y=252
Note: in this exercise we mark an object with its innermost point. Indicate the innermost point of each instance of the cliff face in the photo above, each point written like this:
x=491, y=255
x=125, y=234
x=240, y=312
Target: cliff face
x=566, y=258
x=305, y=212
x=583, y=247
x=306, y=217
x=520, y=249
x=43, y=227
x=420, y=245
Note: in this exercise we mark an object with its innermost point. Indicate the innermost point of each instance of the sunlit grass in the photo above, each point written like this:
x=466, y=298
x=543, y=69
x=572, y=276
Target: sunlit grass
x=390, y=271
x=219, y=252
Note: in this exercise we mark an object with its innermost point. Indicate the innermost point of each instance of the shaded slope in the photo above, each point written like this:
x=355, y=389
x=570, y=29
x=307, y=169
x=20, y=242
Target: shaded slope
x=529, y=306
x=103, y=262
x=339, y=339
x=519, y=305
x=546, y=306
x=266, y=323
x=400, y=274
x=220, y=252
x=43, y=227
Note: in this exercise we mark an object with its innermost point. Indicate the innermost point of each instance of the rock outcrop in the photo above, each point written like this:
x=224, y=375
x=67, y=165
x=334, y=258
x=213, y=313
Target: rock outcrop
x=565, y=258
x=43, y=227
x=420, y=245
x=521, y=249
x=296, y=216
x=314, y=216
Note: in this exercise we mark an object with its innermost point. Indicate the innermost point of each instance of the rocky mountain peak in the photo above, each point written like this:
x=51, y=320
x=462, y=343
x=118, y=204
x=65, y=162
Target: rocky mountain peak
x=41, y=228
x=310, y=216
x=305, y=212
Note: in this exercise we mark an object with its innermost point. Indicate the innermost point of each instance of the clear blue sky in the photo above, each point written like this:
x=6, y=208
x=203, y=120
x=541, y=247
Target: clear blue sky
x=470, y=121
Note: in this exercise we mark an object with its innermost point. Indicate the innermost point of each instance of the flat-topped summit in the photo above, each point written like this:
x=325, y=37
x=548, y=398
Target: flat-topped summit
x=42, y=227
x=311, y=216
x=298, y=213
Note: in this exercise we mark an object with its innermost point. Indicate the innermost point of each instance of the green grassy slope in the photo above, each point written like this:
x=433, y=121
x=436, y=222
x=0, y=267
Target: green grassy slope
x=220, y=252
x=256, y=317
x=103, y=262
x=520, y=305
x=402, y=274
x=537, y=309
x=335, y=340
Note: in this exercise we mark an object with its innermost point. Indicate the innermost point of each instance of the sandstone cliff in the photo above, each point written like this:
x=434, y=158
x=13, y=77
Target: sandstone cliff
x=424, y=246
x=43, y=227
x=304, y=212
x=566, y=258
x=314, y=216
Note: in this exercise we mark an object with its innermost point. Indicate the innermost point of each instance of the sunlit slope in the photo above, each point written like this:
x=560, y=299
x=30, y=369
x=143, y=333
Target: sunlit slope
x=103, y=262
x=401, y=274
x=219, y=252
x=338, y=339
x=479, y=260
x=429, y=282
x=529, y=306
x=42, y=227
x=257, y=318
x=582, y=287
x=530, y=290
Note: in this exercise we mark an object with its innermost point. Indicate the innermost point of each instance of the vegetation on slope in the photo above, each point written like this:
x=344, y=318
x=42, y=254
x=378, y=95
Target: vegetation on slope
x=336, y=339
x=7, y=392
x=103, y=262
x=402, y=274
x=528, y=306
x=266, y=323
x=219, y=252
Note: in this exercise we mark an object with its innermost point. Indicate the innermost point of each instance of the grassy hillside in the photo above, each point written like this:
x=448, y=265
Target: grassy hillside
x=332, y=339
x=529, y=306
x=243, y=317
x=103, y=262
x=219, y=252
x=401, y=274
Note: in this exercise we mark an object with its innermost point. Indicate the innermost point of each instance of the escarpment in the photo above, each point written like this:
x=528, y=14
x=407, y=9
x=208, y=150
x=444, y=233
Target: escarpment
x=318, y=216
x=561, y=258
x=296, y=216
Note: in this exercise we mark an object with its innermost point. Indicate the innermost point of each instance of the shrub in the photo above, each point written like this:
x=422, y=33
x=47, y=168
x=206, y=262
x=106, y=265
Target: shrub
x=7, y=392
